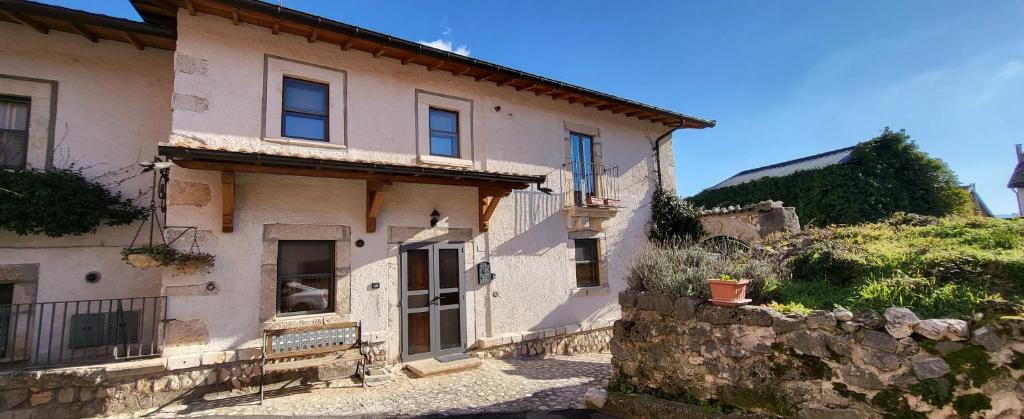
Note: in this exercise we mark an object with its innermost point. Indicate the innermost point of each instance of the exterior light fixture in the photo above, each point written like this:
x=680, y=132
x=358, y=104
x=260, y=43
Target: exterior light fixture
x=434, y=217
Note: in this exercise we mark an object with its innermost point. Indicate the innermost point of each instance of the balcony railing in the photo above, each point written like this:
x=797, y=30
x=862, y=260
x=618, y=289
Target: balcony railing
x=84, y=331
x=590, y=184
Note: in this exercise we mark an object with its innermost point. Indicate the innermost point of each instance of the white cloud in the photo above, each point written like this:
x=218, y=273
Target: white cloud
x=445, y=29
x=1012, y=69
x=442, y=44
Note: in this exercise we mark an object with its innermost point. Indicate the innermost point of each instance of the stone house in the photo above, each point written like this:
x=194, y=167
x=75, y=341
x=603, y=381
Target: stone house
x=337, y=175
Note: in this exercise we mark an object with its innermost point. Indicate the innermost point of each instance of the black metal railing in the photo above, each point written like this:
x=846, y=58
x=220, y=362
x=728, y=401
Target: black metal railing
x=84, y=331
x=590, y=184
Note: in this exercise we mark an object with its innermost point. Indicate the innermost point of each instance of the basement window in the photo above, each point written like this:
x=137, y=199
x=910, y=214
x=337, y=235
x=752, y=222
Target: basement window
x=304, y=110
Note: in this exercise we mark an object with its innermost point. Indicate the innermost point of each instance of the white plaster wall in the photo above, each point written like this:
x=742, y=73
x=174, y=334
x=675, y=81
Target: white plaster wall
x=112, y=109
x=527, y=244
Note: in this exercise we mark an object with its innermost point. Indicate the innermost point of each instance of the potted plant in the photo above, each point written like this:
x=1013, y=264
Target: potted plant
x=612, y=202
x=727, y=291
x=594, y=201
x=149, y=256
x=193, y=262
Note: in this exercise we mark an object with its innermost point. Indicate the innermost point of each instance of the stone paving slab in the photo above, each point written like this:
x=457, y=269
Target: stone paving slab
x=549, y=387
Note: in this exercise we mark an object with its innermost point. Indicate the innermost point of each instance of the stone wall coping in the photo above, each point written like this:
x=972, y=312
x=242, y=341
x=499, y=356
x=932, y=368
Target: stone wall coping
x=525, y=336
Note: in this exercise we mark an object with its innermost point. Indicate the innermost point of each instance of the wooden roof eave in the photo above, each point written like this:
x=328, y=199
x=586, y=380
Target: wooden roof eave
x=94, y=27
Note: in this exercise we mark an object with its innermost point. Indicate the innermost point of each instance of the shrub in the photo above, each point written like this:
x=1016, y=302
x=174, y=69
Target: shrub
x=681, y=269
x=60, y=202
x=672, y=219
x=885, y=175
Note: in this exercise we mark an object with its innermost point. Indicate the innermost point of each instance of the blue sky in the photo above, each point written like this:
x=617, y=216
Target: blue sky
x=784, y=79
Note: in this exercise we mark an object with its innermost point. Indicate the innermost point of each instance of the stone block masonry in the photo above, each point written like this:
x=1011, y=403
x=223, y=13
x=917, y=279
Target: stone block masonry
x=825, y=364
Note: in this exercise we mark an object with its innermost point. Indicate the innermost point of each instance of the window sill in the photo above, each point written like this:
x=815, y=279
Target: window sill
x=445, y=161
x=303, y=320
x=305, y=143
x=594, y=291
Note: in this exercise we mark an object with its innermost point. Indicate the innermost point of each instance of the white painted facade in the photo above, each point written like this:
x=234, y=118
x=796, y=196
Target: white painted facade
x=222, y=86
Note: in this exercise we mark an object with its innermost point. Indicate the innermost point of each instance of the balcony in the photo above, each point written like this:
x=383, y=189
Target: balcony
x=590, y=194
x=80, y=332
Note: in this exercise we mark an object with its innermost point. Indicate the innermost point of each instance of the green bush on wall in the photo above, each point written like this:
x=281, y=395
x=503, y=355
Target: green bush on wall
x=885, y=175
x=60, y=202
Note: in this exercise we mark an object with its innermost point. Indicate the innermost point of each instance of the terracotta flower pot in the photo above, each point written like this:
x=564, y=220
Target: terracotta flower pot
x=595, y=201
x=612, y=202
x=728, y=293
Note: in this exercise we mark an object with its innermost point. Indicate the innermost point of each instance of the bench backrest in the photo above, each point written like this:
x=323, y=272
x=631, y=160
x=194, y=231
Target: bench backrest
x=311, y=340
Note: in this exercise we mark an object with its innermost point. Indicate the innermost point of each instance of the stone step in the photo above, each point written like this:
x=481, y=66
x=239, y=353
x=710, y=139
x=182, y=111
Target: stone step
x=376, y=376
x=429, y=367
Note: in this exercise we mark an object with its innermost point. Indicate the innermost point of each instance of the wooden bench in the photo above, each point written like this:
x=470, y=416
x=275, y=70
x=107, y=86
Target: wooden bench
x=307, y=341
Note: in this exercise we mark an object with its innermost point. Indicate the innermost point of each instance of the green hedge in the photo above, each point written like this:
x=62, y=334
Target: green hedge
x=885, y=175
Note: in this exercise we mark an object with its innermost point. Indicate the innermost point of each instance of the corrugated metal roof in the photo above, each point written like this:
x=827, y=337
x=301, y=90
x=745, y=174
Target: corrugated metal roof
x=1017, y=178
x=816, y=161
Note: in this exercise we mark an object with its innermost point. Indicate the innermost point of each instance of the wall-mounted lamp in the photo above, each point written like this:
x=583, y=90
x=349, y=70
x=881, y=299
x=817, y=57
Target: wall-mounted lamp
x=434, y=217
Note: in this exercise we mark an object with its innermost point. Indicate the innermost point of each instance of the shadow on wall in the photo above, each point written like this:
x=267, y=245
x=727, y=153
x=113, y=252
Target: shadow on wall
x=535, y=213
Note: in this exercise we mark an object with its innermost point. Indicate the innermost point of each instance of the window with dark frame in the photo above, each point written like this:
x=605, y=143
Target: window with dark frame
x=587, y=274
x=14, y=113
x=444, y=133
x=304, y=110
x=305, y=276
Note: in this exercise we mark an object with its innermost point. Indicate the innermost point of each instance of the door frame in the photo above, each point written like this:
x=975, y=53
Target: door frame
x=433, y=292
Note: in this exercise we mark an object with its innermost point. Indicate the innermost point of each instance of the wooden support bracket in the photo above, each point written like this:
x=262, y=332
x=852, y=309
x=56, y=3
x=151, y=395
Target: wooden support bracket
x=489, y=199
x=227, y=191
x=375, y=190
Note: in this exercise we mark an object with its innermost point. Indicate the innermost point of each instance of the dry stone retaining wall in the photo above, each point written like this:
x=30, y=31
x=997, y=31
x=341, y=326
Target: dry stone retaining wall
x=834, y=364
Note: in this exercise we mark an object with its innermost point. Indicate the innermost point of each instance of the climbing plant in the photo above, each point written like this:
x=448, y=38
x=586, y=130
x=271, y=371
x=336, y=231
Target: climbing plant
x=672, y=219
x=885, y=175
x=62, y=201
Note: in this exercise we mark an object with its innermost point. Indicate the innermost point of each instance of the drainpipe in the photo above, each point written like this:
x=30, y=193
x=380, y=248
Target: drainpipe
x=657, y=153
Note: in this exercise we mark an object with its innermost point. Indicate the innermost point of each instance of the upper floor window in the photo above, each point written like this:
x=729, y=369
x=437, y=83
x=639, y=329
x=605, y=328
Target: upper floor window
x=304, y=110
x=13, y=132
x=444, y=133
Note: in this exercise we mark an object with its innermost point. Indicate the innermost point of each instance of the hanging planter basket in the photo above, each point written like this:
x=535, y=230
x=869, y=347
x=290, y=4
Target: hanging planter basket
x=161, y=254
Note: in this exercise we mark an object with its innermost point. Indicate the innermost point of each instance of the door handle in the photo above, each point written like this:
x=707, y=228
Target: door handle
x=435, y=300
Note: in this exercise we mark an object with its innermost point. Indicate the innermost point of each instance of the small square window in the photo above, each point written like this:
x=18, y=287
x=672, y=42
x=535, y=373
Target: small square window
x=304, y=110
x=444, y=133
x=587, y=273
x=13, y=132
x=305, y=276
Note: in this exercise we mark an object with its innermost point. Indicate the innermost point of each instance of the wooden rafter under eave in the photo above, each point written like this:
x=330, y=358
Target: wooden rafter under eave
x=227, y=191
x=375, y=190
x=489, y=199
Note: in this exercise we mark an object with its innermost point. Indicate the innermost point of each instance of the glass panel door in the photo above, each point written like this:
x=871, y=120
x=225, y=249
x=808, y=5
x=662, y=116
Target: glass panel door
x=416, y=304
x=432, y=302
x=582, y=149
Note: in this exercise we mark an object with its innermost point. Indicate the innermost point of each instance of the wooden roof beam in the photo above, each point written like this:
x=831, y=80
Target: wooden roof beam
x=27, y=21
x=379, y=52
x=312, y=35
x=506, y=82
x=436, y=65
x=543, y=90
x=345, y=46
x=408, y=59
x=484, y=77
x=525, y=86
x=134, y=40
x=608, y=106
x=234, y=16
x=277, y=26
x=561, y=95
x=87, y=34
x=191, y=7
x=462, y=71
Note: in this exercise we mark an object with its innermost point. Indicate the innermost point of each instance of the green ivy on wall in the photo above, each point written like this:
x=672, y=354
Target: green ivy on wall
x=60, y=202
x=672, y=219
x=885, y=175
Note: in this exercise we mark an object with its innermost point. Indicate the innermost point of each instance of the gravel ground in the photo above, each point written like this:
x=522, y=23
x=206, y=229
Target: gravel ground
x=552, y=387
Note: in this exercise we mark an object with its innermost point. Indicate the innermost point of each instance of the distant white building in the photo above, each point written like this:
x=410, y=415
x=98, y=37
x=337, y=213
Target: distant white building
x=1016, y=183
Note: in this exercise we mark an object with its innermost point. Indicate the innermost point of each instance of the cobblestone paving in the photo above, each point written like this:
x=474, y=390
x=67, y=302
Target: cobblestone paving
x=553, y=383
